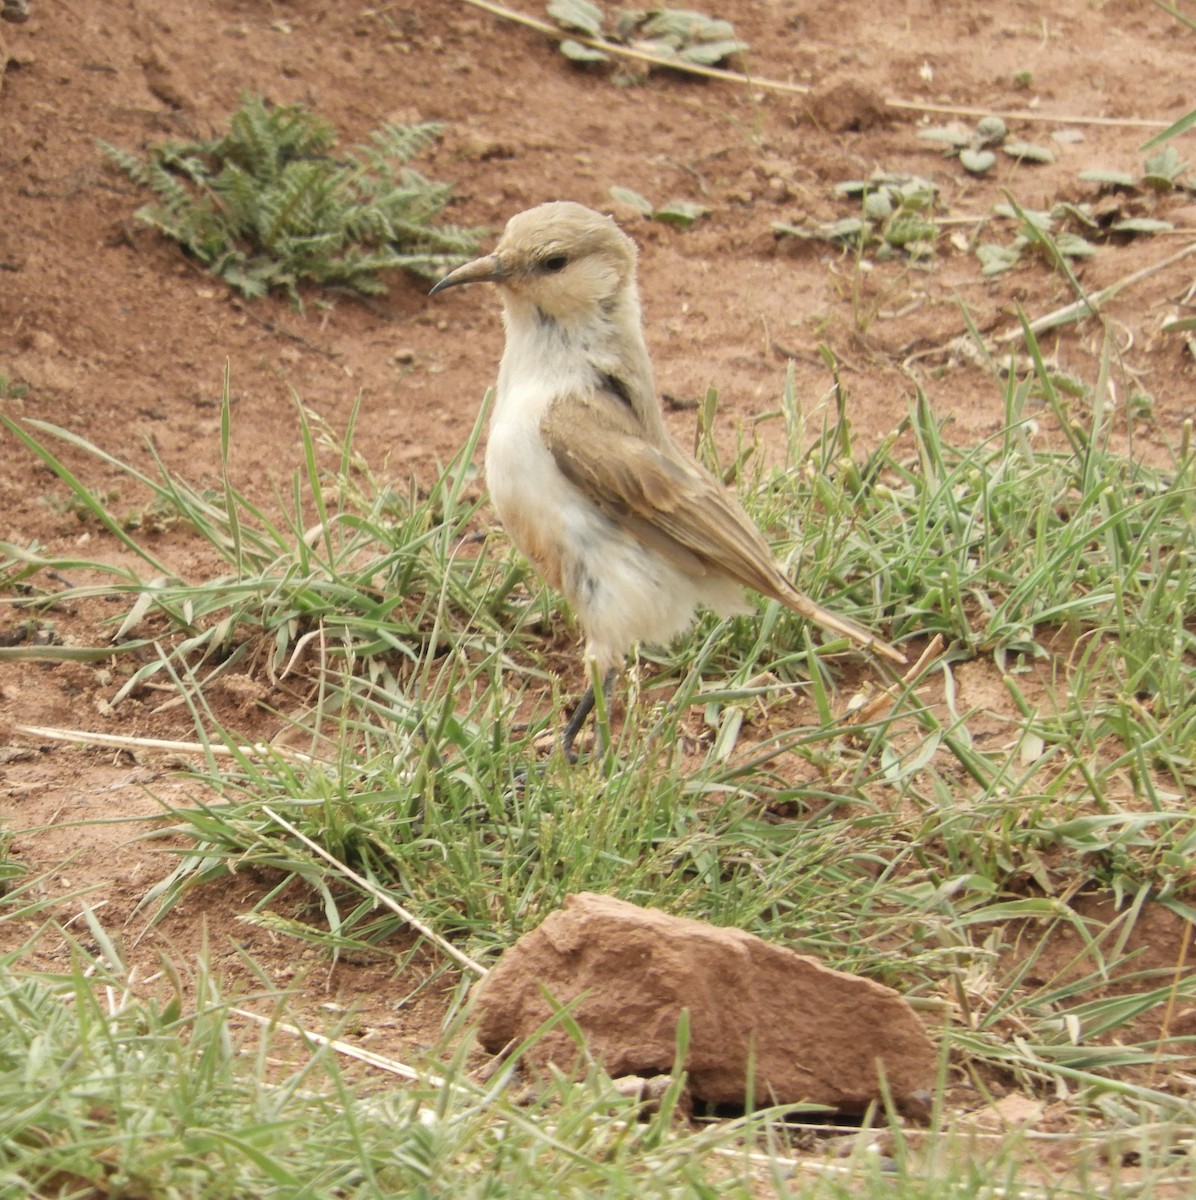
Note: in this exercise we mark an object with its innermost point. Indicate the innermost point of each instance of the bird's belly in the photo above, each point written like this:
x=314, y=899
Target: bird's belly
x=622, y=591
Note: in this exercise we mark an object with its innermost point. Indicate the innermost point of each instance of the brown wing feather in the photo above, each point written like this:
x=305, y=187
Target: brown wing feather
x=599, y=447
x=671, y=505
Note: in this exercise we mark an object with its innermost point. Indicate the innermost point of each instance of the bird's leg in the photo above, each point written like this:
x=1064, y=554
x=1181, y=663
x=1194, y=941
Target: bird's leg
x=582, y=711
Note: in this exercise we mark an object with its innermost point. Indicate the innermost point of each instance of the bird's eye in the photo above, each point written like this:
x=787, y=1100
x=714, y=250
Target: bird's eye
x=557, y=262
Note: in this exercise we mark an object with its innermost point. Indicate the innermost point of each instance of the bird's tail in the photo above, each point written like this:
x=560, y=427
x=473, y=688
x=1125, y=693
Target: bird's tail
x=805, y=607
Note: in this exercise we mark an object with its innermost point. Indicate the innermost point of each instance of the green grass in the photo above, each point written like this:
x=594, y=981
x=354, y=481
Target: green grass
x=104, y=1091
x=946, y=849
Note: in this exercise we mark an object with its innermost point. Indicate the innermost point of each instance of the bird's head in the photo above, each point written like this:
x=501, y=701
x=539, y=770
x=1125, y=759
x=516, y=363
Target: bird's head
x=563, y=259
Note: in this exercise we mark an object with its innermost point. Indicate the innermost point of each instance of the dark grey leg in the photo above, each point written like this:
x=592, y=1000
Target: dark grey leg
x=582, y=711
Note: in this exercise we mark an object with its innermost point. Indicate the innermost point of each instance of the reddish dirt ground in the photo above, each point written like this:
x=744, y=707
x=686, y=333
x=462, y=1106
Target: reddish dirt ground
x=107, y=331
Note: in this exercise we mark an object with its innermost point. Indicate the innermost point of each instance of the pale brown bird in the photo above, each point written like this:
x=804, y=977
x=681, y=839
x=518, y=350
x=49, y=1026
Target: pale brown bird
x=581, y=468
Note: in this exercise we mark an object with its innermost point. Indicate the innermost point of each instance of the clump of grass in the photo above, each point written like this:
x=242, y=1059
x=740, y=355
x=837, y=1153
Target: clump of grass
x=342, y=576
x=272, y=204
x=108, y=1091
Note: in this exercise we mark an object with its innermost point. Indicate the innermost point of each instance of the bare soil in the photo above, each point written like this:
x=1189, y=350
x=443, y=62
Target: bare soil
x=108, y=331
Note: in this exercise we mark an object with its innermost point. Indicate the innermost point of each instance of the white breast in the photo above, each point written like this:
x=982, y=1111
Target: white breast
x=528, y=492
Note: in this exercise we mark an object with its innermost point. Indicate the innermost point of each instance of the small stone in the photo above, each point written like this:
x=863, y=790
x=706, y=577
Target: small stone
x=647, y=1093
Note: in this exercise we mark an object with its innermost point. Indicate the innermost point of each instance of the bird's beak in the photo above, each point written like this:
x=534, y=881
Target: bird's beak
x=482, y=270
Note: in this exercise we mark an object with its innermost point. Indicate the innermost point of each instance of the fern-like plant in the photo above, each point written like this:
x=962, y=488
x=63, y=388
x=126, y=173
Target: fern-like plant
x=270, y=204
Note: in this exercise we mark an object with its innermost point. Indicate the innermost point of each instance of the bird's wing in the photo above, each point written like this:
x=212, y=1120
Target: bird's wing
x=671, y=505
x=675, y=507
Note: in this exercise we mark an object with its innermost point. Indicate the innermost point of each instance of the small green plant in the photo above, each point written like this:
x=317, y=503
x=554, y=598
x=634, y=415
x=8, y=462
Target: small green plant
x=1064, y=233
x=679, y=213
x=976, y=148
x=1162, y=172
x=896, y=217
x=678, y=35
x=270, y=205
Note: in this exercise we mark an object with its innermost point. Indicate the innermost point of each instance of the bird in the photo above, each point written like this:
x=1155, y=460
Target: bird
x=582, y=470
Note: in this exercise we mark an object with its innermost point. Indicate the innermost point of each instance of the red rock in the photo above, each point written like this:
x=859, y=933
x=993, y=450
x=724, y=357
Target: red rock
x=806, y=1032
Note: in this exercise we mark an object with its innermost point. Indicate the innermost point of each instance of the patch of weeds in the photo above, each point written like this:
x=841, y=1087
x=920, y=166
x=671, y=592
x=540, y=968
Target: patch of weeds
x=1063, y=233
x=271, y=204
x=156, y=516
x=681, y=214
x=1126, y=203
x=896, y=217
x=976, y=147
x=71, y=505
x=682, y=36
x=1126, y=181
x=1045, y=233
x=1162, y=171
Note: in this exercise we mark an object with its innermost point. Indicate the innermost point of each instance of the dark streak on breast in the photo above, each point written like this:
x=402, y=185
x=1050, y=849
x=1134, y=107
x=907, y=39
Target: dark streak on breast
x=618, y=388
